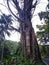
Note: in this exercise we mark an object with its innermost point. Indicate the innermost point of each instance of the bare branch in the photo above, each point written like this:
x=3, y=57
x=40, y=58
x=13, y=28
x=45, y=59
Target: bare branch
x=34, y=6
x=12, y=28
x=19, y=20
x=28, y=5
x=17, y=5
x=12, y=5
x=3, y=5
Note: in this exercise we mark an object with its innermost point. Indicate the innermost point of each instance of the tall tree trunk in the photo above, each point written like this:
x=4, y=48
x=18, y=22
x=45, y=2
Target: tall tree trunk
x=29, y=42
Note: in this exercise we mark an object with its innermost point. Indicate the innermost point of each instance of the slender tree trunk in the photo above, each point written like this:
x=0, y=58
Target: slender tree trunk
x=2, y=50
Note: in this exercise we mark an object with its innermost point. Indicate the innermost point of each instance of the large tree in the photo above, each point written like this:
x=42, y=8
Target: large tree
x=29, y=42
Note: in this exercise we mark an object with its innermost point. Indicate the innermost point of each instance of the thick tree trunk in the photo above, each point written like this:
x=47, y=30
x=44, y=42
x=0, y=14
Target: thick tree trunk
x=29, y=42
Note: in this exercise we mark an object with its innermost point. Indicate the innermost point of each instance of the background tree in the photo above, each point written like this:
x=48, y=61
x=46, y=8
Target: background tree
x=44, y=28
x=5, y=28
x=29, y=42
x=43, y=33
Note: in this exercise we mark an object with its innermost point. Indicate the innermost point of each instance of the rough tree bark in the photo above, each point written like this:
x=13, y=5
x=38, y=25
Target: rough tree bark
x=29, y=42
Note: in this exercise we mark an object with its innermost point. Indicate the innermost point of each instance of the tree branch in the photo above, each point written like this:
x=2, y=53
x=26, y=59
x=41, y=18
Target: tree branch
x=17, y=5
x=3, y=5
x=27, y=4
x=19, y=20
x=12, y=28
x=34, y=6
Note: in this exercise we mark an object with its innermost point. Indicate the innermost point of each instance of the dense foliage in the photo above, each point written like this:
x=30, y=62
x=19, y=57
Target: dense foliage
x=20, y=60
x=16, y=56
x=43, y=33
